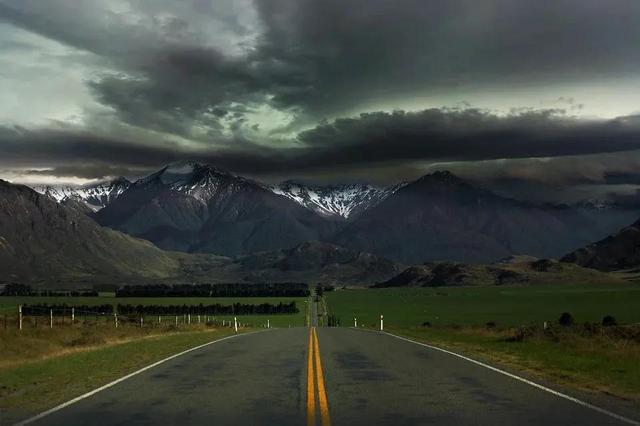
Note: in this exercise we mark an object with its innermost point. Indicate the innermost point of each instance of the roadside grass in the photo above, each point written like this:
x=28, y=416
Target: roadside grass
x=33, y=381
x=456, y=318
x=36, y=344
x=595, y=363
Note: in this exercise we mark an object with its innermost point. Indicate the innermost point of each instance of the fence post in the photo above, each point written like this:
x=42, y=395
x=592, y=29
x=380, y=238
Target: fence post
x=141, y=321
x=235, y=324
x=381, y=323
x=20, y=317
x=50, y=318
x=115, y=317
x=176, y=320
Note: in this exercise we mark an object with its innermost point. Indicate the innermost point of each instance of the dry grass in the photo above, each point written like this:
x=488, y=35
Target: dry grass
x=36, y=344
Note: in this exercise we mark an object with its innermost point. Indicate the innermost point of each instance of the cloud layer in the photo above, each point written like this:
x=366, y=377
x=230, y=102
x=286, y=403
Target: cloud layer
x=310, y=87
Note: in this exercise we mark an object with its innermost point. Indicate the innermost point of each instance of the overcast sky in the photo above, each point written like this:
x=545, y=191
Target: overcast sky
x=325, y=90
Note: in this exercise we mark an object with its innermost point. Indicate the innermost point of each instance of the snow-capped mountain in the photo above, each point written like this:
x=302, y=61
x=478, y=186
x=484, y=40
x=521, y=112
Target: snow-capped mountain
x=200, y=181
x=200, y=208
x=343, y=201
x=93, y=196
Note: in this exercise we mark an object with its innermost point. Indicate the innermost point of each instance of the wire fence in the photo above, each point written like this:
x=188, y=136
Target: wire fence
x=36, y=317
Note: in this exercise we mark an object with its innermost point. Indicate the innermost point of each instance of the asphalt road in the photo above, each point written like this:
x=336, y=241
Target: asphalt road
x=368, y=378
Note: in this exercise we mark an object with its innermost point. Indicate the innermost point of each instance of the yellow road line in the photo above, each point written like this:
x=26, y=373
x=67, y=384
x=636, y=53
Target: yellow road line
x=322, y=393
x=311, y=397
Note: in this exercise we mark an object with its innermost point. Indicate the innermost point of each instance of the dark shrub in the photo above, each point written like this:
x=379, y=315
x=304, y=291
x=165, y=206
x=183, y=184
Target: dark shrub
x=609, y=321
x=491, y=324
x=426, y=324
x=520, y=334
x=565, y=320
x=590, y=329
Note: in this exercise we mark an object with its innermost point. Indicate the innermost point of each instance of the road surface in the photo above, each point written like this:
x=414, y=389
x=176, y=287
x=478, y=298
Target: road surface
x=368, y=378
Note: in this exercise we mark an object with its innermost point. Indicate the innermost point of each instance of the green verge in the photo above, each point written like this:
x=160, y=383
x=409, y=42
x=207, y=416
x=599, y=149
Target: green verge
x=590, y=364
x=34, y=386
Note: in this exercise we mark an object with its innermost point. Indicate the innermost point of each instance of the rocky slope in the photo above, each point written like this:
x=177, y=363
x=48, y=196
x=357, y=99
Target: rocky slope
x=616, y=252
x=523, y=270
x=42, y=241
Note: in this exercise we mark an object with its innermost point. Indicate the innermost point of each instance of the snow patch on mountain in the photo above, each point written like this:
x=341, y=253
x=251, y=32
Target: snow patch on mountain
x=343, y=201
x=94, y=196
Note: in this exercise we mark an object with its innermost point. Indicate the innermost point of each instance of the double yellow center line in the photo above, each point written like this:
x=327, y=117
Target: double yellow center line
x=314, y=358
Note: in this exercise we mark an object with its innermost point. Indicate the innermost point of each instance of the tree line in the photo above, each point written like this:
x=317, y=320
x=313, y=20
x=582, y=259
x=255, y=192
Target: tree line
x=44, y=309
x=25, y=290
x=215, y=309
x=285, y=289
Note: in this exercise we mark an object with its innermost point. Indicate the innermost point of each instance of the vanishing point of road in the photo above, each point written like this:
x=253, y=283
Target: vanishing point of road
x=319, y=375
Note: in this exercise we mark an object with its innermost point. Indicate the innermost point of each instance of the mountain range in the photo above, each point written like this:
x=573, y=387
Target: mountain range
x=218, y=227
x=199, y=208
x=46, y=243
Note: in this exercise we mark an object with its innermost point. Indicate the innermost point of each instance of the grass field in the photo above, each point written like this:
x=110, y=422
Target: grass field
x=9, y=305
x=604, y=361
x=506, y=306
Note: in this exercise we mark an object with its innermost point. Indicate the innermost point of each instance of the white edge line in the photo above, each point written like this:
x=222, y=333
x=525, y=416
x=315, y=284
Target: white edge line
x=121, y=379
x=522, y=379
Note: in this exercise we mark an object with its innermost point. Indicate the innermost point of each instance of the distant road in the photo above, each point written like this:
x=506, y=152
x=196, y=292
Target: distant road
x=368, y=378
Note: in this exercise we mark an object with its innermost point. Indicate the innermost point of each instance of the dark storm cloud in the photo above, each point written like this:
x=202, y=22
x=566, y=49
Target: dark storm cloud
x=164, y=66
x=396, y=139
x=322, y=58
x=471, y=134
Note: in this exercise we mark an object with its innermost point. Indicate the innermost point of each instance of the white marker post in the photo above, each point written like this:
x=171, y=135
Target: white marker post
x=189, y=318
x=235, y=324
x=355, y=323
x=176, y=320
x=115, y=319
x=73, y=315
x=268, y=324
x=159, y=319
x=381, y=322
x=50, y=318
x=20, y=317
x=198, y=319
